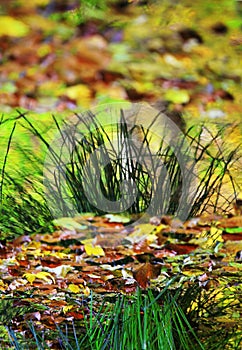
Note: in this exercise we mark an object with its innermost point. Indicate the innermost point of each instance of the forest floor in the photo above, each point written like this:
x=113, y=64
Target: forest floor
x=58, y=60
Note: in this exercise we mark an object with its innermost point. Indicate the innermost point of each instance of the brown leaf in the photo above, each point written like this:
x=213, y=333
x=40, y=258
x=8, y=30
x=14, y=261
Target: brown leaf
x=164, y=253
x=181, y=249
x=50, y=261
x=23, y=262
x=33, y=315
x=14, y=270
x=146, y=272
x=161, y=238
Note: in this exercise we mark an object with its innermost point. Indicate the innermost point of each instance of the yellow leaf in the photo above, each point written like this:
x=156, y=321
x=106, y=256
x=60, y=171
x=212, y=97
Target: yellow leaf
x=51, y=88
x=67, y=308
x=191, y=273
x=74, y=288
x=3, y=286
x=59, y=255
x=141, y=232
x=12, y=27
x=46, y=276
x=39, y=2
x=94, y=250
x=127, y=274
x=143, y=87
x=160, y=228
x=34, y=245
x=69, y=223
x=208, y=240
x=80, y=93
x=177, y=96
x=30, y=277
x=151, y=238
x=216, y=234
x=64, y=270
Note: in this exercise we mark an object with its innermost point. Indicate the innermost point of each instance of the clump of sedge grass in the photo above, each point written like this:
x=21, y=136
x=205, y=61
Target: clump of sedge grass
x=73, y=186
x=146, y=320
x=141, y=321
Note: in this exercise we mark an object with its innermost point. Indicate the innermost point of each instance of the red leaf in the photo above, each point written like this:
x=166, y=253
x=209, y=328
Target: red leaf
x=75, y=315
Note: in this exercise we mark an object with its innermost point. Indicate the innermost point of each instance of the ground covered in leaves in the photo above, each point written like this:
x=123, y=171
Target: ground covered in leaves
x=44, y=277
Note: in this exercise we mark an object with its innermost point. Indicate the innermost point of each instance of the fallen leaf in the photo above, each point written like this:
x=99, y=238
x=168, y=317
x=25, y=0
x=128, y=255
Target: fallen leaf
x=46, y=276
x=75, y=315
x=141, y=232
x=21, y=240
x=50, y=261
x=12, y=27
x=177, y=96
x=74, y=288
x=67, y=308
x=60, y=271
x=94, y=250
x=69, y=223
x=232, y=237
x=146, y=272
x=80, y=93
x=181, y=249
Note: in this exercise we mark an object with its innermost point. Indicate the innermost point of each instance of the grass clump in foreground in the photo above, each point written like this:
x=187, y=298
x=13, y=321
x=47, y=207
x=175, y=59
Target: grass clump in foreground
x=128, y=323
x=145, y=320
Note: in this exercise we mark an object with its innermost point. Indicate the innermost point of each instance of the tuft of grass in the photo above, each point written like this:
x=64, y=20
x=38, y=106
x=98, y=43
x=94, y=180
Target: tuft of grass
x=141, y=321
x=96, y=163
x=145, y=320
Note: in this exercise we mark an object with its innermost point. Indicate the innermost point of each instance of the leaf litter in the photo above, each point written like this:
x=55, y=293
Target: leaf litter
x=114, y=259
